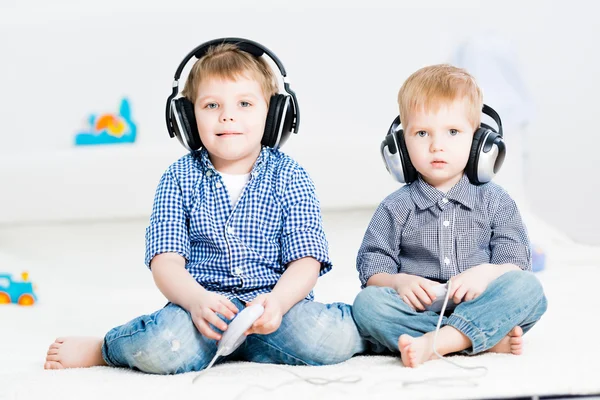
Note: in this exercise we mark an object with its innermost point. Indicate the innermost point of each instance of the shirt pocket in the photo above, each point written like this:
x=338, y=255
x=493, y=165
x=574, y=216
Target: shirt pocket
x=473, y=244
x=420, y=245
x=260, y=217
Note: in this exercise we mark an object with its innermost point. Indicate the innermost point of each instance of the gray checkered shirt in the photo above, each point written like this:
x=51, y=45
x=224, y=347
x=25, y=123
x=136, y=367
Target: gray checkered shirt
x=419, y=230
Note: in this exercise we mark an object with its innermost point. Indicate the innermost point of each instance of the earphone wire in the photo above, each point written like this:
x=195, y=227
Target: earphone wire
x=318, y=381
x=315, y=381
x=448, y=378
x=210, y=364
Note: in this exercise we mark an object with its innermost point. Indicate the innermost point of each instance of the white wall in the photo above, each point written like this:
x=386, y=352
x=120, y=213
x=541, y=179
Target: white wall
x=63, y=60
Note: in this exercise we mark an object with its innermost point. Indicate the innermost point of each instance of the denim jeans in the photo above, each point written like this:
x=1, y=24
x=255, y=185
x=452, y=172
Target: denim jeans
x=167, y=341
x=515, y=298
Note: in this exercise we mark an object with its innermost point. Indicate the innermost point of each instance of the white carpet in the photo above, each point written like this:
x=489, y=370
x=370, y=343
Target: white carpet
x=91, y=277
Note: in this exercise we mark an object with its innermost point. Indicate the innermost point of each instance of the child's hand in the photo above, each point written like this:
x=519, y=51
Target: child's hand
x=271, y=319
x=204, y=313
x=415, y=290
x=468, y=285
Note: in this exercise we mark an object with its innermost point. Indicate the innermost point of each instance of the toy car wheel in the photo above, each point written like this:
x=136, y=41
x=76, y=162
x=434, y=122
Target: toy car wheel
x=4, y=298
x=26, y=300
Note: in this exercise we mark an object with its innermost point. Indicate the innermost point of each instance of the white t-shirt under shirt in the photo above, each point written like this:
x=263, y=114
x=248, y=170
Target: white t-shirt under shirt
x=234, y=184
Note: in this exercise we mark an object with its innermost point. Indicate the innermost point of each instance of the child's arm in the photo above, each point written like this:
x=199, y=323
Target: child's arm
x=379, y=252
x=304, y=251
x=413, y=290
x=469, y=284
x=510, y=251
x=509, y=243
x=378, y=260
x=294, y=285
x=168, y=248
x=179, y=287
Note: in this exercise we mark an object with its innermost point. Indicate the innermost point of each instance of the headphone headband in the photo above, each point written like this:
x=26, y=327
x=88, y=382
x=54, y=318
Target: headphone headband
x=489, y=111
x=248, y=46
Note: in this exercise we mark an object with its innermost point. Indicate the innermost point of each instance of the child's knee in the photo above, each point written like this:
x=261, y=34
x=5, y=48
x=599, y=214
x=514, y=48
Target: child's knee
x=169, y=343
x=369, y=303
x=363, y=303
x=524, y=286
x=526, y=282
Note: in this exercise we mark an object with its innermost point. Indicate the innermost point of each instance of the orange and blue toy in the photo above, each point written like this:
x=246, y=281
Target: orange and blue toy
x=18, y=292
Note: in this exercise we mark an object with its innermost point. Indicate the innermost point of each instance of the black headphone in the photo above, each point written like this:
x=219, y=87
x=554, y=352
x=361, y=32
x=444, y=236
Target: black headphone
x=485, y=159
x=283, y=116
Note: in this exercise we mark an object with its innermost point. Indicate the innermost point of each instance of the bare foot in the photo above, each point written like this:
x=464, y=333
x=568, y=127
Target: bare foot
x=511, y=343
x=74, y=352
x=415, y=351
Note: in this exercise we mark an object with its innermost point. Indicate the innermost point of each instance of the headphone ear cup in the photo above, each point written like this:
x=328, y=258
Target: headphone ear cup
x=410, y=173
x=185, y=125
x=473, y=162
x=486, y=157
x=278, y=125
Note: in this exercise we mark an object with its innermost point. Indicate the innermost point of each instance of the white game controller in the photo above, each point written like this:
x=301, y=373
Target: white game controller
x=440, y=293
x=234, y=336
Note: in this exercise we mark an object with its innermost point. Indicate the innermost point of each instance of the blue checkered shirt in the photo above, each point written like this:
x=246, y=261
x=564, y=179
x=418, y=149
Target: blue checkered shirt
x=419, y=230
x=238, y=251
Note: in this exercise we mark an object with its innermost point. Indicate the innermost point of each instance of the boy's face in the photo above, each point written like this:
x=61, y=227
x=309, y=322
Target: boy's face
x=231, y=116
x=439, y=143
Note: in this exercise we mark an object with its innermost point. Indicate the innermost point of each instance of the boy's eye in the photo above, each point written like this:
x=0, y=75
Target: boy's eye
x=211, y=106
x=453, y=132
x=245, y=104
x=422, y=133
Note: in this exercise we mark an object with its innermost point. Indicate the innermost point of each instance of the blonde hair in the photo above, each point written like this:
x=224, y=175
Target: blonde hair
x=227, y=61
x=431, y=87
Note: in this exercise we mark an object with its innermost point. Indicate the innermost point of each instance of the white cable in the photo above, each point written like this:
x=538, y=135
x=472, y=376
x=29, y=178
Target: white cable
x=210, y=364
x=435, y=336
x=356, y=379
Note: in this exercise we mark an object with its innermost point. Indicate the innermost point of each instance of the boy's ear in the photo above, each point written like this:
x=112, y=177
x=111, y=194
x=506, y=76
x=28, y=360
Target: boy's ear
x=184, y=123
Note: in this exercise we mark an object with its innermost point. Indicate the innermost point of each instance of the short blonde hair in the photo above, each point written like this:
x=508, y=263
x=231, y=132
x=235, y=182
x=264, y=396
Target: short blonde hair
x=227, y=61
x=436, y=85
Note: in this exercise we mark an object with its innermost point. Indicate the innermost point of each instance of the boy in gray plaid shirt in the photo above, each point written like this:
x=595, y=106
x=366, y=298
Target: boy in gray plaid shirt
x=447, y=223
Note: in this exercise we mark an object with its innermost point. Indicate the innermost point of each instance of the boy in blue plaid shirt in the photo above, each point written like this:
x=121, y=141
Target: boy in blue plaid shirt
x=447, y=223
x=233, y=224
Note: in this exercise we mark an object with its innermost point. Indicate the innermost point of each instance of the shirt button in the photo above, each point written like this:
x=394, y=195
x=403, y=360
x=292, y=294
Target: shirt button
x=230, y=230
x=446, y=261
x=444, y=200
x=237, y=270
x=209, y=174
x=446, y=223
x=219, y=185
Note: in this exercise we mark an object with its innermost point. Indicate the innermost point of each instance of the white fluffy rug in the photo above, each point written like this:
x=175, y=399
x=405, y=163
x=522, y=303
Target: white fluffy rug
x=90, y=277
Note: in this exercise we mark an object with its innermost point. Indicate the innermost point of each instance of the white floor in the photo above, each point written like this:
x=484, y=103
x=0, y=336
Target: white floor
x=91, y=277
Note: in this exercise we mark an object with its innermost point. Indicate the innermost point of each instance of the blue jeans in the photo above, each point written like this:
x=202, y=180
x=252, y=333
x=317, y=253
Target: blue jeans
x=167, y=341
x=515, y=298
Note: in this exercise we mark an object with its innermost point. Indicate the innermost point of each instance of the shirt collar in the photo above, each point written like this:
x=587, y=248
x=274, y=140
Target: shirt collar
x=424, y=195
x=207, y=165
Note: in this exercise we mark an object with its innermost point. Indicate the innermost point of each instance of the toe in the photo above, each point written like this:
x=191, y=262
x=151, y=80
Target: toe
x=517, y=331
x=52, y=352
x=53, y=365
x=517, y=340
